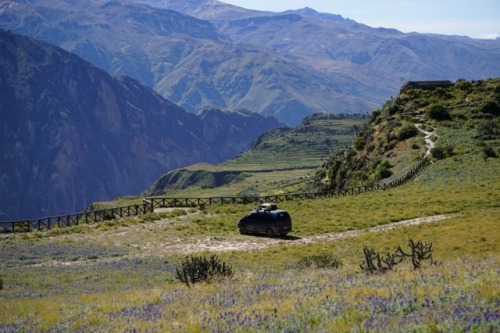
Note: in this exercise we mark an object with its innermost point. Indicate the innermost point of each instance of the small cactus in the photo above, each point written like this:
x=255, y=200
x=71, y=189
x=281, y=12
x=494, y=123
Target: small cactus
x=375, y=263
x=419, y=251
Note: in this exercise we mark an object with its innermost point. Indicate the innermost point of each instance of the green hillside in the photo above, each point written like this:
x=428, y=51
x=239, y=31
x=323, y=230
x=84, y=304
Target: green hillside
x=316, y=138
x=461, y=121
x=120, y=276
x=283, y=160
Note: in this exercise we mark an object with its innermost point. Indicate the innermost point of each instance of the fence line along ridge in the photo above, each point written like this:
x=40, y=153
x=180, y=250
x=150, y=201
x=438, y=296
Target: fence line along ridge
x=149, y=204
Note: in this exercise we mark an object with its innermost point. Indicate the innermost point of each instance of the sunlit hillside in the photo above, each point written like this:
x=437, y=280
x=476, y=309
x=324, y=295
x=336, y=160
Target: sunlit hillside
x=452, y=121
x=283, y=160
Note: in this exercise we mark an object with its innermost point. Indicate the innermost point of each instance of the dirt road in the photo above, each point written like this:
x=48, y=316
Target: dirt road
x=246, y=243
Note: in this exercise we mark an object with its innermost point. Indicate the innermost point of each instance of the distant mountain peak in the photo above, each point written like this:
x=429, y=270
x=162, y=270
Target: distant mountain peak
x=309, y=9
x=310, y=12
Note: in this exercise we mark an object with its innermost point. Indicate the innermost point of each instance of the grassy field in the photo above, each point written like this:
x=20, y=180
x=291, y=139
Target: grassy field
x=120, y=276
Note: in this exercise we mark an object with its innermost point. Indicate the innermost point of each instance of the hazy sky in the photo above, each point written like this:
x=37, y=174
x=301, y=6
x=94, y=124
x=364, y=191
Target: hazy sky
x=473, y=18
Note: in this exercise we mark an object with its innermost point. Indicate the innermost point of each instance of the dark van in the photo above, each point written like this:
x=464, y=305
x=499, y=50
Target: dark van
x=270, y=222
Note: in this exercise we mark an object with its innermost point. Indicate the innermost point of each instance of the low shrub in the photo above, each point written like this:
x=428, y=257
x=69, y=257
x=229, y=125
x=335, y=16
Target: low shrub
x=442, y=152
x=324, y=260
x=407, y=132
x=491, y=107
x=360, y=143
x=488, y=129
x=375, y=115
x=383, y=170
x=200, y=269
x=488, y=151
x=438, y=112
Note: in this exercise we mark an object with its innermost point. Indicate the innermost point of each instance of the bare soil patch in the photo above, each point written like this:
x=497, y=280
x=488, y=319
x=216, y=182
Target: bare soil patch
x=249, y=243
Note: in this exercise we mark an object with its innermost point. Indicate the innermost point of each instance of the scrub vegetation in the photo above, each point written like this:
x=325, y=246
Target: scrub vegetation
x=464, y=117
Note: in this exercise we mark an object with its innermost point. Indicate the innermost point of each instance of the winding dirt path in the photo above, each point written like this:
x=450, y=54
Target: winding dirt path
x=248, y=243
x=428, y=138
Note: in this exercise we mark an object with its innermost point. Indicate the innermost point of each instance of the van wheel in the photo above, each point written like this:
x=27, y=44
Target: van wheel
x=269, y=232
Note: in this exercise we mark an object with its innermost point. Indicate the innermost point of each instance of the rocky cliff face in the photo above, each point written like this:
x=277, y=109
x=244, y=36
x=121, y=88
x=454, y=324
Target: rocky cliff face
x=232, y=131
x=71, y=134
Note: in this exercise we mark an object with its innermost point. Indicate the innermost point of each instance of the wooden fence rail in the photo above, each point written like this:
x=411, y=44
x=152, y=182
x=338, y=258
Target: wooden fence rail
x=149, y=204
x=90, y=217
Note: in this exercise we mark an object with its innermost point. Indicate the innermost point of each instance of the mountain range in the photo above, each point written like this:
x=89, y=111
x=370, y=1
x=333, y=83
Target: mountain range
x=71, y=134
x=205, y=53
x=100, y=111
